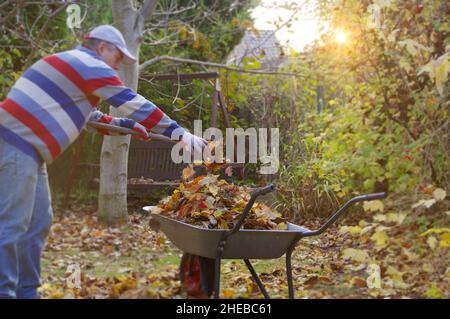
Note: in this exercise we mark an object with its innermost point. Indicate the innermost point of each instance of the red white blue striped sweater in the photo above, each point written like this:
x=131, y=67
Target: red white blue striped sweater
x=51, y=103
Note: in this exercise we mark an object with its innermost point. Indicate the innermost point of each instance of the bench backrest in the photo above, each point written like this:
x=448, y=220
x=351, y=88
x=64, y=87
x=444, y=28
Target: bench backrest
x=152, y=160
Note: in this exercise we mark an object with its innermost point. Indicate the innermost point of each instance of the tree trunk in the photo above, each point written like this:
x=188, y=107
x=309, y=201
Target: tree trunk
x=112, y=201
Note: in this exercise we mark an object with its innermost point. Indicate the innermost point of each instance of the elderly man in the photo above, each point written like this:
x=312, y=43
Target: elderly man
x=42, y=115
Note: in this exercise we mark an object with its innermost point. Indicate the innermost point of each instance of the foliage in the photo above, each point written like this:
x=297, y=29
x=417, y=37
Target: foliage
x=206, y=32
x=382, y=122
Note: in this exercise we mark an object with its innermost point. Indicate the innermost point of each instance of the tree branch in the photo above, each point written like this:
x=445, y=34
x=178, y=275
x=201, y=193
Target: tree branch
x=167, y=13
x=43, y=31
x=155, y=60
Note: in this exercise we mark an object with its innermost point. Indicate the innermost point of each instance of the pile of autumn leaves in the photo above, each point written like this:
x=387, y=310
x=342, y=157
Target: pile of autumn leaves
x=213, y=203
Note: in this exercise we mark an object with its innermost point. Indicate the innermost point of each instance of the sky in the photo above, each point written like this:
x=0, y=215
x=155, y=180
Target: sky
x=304, y=28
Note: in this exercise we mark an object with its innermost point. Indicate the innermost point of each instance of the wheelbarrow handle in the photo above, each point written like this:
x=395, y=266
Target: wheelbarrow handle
x=253, y=195
x=343, y=209
x=372, y=196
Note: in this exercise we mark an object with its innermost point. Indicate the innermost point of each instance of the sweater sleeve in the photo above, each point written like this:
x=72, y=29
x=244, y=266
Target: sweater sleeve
x=136, y=107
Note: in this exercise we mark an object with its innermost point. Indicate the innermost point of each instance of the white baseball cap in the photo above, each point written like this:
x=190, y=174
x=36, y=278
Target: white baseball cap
x=110, y=34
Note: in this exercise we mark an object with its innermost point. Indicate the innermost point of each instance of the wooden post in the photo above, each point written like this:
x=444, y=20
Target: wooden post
x=214, y=106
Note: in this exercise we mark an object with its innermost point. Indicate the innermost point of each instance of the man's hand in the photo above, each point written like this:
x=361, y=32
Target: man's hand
x=194, y=142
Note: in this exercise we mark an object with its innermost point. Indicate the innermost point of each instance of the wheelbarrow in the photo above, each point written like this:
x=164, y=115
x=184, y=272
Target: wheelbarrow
x=203, y=249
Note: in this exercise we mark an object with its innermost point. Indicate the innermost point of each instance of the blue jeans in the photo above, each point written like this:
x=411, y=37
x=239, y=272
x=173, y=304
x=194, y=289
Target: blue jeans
x=25, y=220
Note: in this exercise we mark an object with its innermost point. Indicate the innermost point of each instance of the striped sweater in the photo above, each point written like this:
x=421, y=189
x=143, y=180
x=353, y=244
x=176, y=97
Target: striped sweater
x=51, y=103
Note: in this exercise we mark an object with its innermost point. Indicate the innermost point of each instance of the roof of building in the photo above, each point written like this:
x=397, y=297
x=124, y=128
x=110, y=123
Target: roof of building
x=259, y=44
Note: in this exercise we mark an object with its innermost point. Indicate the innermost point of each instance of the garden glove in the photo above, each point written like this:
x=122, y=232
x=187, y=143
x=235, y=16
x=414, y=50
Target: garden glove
x=193, y=142
x=100, y=117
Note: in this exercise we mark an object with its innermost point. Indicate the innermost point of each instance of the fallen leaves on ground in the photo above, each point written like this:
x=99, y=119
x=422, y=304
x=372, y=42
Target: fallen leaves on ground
x=404, y=254
x=128, y=261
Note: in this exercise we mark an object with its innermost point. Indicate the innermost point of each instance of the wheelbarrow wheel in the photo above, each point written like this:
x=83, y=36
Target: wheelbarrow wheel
x=197, y=276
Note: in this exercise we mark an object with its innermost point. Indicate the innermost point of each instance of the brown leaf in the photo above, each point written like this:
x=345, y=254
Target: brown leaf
x=187, y=173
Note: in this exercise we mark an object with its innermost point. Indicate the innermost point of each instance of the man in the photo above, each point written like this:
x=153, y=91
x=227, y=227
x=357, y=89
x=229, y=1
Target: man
x=42, y=115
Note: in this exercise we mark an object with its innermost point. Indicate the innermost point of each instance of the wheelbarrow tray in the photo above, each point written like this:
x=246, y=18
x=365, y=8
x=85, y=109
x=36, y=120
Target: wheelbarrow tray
x=244, y=244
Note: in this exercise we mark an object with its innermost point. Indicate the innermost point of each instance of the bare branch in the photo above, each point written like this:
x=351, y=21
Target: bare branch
x=43, y=30
x=5, y=3
x=18, y=6
x=209, y=64
x=166, y=13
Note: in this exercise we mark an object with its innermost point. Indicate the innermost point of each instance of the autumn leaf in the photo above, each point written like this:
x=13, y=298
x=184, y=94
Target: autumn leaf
x=210, y=202
x=445, y=240
x=434, y=292
x=213, y=189
x=355, y=254
x=396, y=277
x=381, y=239
x=354, y=230
x=359, y=282
x=187, y=173
x=432, y=242
x=439, y=194
x=373, y=206
x=423, y=202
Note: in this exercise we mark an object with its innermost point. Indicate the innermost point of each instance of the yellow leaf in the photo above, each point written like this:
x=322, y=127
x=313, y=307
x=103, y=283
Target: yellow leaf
x=427, y=68
x=379, y=218
x=396, y=277
x=354, y=230
x=439, y=194
x=445, y=240
x=413, y=47
x=355, y=254
x=432, y=242
x=428, y=268
x=442, y=68
x=282, y=226
x=434, y=292
x=436, y=231
x=213, y=189
x=380, y=238
x=188, y=172
x=396, y=217
x=160, y=240
x=373, y=206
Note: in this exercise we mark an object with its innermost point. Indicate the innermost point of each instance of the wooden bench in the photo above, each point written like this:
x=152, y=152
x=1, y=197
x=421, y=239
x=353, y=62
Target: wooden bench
x=152, y=160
